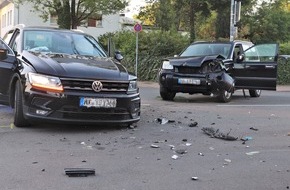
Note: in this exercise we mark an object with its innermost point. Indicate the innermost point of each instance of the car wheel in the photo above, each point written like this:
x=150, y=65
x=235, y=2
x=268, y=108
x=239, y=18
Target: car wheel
x=225, y=96
x=255, y=93
x=19, y=120
x=166, y=95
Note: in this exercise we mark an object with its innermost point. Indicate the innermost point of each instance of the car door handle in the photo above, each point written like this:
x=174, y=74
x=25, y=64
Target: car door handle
x=270, y=66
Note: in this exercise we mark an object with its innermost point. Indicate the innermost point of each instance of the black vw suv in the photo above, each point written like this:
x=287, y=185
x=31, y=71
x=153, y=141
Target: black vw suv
x=65, y=77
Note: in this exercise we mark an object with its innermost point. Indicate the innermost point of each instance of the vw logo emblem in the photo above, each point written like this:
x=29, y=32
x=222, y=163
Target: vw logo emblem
x=97, y=86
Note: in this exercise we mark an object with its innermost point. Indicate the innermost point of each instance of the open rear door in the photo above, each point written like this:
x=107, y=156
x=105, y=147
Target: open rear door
x=258, y=70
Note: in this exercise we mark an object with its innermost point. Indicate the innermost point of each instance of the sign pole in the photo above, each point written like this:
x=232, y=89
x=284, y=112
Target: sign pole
x=137, y=29
x=136, y=65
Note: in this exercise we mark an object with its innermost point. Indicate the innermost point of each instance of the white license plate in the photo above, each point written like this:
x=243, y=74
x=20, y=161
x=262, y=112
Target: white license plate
x=98, y=102
x=189, y=81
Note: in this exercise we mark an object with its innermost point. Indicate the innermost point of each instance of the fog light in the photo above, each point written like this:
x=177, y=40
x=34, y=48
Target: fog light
x=41, y=112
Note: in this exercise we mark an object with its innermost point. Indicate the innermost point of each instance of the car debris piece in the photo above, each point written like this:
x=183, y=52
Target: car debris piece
x=254, y=129
x=174, y=157
x=154, y=146
x=252, y=153
x=194, y=124
x=79, y=172
x=163, y=121
x=181, y=151
x=200, y=154
x=194, y=178
x=214, y=133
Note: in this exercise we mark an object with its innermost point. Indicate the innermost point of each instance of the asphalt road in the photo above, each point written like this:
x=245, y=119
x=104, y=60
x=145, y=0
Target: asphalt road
x=155, y=156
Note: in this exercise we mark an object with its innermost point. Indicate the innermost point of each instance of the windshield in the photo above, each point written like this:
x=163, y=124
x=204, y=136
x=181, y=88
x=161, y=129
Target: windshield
x=62, y=42
x=203, y=49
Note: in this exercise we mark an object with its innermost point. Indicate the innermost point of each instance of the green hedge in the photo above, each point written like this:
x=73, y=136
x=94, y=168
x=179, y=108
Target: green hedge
x=156, y=45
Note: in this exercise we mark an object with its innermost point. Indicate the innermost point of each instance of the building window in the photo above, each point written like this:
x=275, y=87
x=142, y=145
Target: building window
x=53, y=19
x=95, y=21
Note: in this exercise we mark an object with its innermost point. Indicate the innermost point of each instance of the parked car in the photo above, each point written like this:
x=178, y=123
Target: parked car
x=64, y=77
x=220, y=68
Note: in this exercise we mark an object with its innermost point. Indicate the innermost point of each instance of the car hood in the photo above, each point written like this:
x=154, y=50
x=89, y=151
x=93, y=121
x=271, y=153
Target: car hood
x=75, y=66
x=192, y=61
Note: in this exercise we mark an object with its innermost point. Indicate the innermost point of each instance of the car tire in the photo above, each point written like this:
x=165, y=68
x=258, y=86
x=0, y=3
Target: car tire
x=225, y=96
x=255, y=93
x=166, y=94
x=19, y=120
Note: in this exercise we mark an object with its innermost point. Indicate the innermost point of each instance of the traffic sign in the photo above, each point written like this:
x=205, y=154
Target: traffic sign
x=137, y=27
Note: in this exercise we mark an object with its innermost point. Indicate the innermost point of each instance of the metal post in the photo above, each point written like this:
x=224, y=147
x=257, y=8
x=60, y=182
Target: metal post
x=136, y=65
x=232, y=27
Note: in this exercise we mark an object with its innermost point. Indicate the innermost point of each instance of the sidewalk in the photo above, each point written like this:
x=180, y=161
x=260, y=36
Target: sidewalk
x=280, y=88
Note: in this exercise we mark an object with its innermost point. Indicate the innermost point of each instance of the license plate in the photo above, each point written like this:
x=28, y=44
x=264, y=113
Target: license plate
x=189, y=81
x=98, y=102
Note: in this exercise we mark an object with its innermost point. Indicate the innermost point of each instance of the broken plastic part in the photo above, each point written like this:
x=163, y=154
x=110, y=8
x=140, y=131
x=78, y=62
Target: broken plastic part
x=79, y=172
x=214, y=133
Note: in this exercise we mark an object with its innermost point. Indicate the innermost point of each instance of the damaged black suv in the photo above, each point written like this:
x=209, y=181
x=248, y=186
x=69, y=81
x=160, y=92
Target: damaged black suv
x=220, y=68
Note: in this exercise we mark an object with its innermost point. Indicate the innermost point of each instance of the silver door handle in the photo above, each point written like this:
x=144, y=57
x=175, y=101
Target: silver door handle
x=269, y=67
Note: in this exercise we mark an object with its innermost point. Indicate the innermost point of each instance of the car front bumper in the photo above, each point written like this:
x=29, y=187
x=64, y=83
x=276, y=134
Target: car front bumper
x=65, y=108
x=170, y=81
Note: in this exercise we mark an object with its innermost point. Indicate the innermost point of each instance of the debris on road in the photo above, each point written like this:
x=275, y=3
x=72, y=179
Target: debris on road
x=247, y=138
x=214, y=133
x=252, y=153
x=174, y=157
x=254, y=129
x=154, y=146
x=163, y=121
x=194, y=178
x=181, y=151
x=194, y=124
x=79, y=172
x=200, y=154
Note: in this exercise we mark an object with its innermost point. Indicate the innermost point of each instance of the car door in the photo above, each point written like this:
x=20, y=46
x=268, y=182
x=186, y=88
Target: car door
x=7, y=66
x=258, y=69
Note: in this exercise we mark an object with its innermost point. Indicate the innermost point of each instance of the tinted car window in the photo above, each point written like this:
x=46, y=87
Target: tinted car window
x=62, y=42
x=204, y=49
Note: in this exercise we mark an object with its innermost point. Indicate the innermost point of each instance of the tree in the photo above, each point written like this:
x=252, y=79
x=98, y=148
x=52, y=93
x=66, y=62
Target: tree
x=270, y=23
x=71, y=13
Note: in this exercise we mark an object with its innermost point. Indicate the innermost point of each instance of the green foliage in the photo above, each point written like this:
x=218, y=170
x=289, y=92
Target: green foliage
x=284, y=49
x=270, y=23
x=153, y=47
x=283, y=71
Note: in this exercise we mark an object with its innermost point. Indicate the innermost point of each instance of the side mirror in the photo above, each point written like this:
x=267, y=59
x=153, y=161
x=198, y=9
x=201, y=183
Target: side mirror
x=240, y=58
x=118, y=56
x=3, y=54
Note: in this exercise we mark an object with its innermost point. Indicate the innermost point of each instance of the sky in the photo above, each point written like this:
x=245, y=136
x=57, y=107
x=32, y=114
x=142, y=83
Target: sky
x=134, y=7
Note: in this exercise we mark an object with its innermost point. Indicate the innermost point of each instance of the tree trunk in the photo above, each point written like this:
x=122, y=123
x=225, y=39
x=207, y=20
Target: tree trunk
x=192, y=20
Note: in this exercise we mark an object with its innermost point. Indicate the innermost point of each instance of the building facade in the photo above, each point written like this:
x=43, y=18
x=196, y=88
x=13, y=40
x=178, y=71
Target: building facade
x=12, y=14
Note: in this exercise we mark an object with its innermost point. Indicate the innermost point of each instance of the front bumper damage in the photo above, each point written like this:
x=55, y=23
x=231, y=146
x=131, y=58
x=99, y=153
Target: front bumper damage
x=210, y=78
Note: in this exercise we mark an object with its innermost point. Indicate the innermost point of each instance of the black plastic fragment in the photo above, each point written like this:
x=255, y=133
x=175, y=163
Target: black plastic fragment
x=79, y=172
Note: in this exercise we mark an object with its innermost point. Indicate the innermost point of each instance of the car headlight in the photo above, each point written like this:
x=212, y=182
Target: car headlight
x=166, y=65
x=132, y=86
x=44, y=82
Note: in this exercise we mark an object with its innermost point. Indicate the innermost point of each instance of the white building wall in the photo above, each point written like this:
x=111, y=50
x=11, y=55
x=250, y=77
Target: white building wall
x=23, y=14
x=110, y=23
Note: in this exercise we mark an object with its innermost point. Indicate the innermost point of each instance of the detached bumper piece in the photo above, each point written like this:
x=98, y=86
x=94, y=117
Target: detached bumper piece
x=79, y=172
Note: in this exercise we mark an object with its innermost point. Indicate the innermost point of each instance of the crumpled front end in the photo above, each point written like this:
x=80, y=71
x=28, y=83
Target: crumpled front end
x=209, y=77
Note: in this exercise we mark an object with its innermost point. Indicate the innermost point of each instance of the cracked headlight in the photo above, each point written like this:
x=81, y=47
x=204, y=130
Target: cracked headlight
x=167, y=65
x=45, y=82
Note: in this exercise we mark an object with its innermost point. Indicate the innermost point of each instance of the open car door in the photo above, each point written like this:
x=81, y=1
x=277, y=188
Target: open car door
x=257, y=68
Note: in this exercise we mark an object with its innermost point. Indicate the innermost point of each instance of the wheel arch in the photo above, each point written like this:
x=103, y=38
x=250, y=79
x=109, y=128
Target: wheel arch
x=15, y=78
